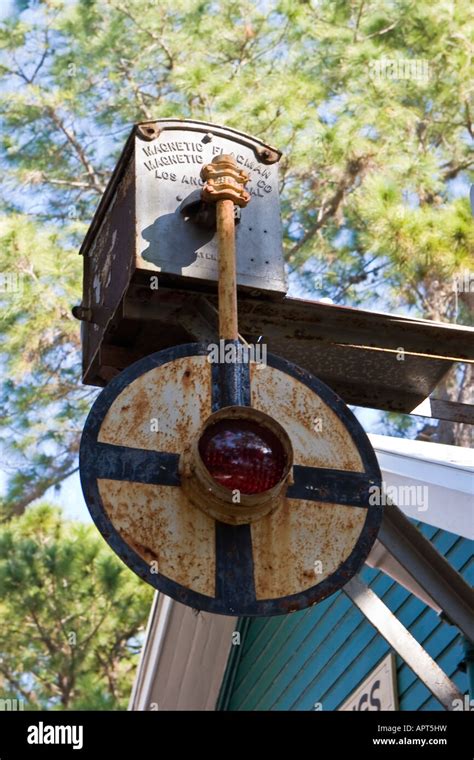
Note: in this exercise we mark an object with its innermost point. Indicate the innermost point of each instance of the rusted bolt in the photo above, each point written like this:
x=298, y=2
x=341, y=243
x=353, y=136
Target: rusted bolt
x=148, y=131
x=82, y=313
x=267, y=156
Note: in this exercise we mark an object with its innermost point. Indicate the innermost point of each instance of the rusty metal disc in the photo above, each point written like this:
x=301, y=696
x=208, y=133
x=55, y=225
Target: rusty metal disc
x=288, y=560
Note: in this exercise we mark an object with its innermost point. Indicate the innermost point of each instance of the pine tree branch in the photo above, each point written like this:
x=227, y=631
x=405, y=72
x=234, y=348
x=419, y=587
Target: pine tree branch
x=19, y=505
x=357, y=277
x=70, y=136
x=467, y=112
x=42, y=59
x=155, y=37
x=328, y=208
x=359, y=16
x=454, y=170
x=96, y=628
x=139, y=94
x=28, y=696
x=382, y=31
x=51, y=647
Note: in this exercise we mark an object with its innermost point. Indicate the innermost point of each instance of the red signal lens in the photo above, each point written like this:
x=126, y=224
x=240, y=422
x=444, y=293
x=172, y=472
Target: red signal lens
x=243, y=455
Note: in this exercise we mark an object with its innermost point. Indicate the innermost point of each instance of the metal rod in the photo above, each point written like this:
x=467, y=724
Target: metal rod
x=395, y=633
x=224, y=186
x=228, y=329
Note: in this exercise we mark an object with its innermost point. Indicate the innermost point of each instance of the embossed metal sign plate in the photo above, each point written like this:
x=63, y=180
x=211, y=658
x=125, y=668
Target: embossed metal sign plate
x=167, y=173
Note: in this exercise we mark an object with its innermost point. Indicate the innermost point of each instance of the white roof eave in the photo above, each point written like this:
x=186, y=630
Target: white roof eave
x=431, y=482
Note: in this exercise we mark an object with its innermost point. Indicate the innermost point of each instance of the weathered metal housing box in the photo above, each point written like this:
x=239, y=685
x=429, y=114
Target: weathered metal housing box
x=140, y=231
x=147, y=232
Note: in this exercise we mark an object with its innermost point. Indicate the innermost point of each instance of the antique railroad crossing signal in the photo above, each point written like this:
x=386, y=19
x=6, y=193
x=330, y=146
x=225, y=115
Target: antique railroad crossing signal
x=164, y=457
x=234, y=483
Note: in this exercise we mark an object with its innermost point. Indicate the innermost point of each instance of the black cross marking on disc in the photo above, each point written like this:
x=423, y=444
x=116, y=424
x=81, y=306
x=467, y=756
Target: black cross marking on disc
x=234, y=588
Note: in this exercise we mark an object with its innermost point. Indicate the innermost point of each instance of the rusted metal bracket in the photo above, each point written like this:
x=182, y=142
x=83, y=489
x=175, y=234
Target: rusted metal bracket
x=395, y=633
x=99, y=315
x=200, y=320
x=441, y=409
x=201, y=213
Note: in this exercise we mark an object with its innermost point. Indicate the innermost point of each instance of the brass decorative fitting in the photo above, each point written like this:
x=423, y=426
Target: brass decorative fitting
x=224, y=181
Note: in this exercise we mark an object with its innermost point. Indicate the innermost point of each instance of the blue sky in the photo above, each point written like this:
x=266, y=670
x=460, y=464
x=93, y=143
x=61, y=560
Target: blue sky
x=6, y=8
